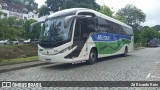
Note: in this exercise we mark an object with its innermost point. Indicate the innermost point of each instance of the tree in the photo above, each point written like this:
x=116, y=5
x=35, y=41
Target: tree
x=81, y=4
x=7, y=30
x=105, y=10
x=11, y=21
x=131, y=15
x=56, y=5
x=31, y=4
x=43, y=10
x=148, y=34
x=1, y=13
x=36, y=30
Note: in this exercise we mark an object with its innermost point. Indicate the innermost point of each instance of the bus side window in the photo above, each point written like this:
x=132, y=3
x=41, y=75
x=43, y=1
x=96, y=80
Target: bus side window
x=103, y=25
x=90, y=25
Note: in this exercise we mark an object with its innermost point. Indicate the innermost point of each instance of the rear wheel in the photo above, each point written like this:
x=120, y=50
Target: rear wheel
x=92, y=57
x=125, y=52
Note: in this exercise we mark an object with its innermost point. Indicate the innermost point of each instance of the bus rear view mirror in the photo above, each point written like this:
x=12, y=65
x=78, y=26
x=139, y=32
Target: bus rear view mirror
x=33, y=24
x=69, y=18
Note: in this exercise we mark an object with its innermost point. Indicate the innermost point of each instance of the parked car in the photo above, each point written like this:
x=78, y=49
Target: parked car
x=4, y=42
x=27, y=41
x=154, y=42
x=15, y=41
x=35, y=41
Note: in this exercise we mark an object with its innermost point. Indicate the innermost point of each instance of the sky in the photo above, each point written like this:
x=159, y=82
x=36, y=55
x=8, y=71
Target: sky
x=150, y=7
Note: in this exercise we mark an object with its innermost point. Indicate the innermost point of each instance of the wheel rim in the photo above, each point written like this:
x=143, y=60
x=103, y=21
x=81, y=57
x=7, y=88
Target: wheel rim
x=93, y=56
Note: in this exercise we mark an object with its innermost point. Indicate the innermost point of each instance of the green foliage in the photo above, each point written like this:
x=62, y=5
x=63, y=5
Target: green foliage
x=35, y=32
x=131, y=15
x=56, y=5
x=156, y=27
x=148, y=34
x=1, y=13
x=9, y=28
x=17, y=51
x=81, y=4
x=120, y=18
x=18, y=60
x=105, y=10
x=43, y=10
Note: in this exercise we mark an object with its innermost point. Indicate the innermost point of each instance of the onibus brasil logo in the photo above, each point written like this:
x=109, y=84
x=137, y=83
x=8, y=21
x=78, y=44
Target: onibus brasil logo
x=20, y=84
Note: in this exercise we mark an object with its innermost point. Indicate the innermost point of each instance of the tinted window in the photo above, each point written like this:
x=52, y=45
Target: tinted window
x=86, y=13
x=103, y=25
x=88, y=24
x=78, y=30
x=127, y=30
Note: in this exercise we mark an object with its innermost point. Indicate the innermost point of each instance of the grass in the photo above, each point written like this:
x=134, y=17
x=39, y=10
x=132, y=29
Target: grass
x=18, y=60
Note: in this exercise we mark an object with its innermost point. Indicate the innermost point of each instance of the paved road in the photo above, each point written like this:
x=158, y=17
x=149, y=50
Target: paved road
x=134, y=67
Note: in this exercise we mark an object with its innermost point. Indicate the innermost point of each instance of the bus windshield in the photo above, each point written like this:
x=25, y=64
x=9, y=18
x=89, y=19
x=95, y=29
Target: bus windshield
x=53, y=32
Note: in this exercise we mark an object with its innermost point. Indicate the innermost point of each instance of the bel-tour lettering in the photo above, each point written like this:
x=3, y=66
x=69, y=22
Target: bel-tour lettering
x=102, y=37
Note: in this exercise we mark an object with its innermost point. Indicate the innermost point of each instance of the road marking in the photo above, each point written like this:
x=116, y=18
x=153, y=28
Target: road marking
x=148, y=76
x=155, y=77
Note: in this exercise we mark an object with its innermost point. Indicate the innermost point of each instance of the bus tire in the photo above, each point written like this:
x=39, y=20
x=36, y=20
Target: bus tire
x=92, y=57
x=125, y=52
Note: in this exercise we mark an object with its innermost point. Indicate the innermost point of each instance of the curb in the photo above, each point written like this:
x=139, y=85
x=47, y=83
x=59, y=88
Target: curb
x=139, y=48
x=16, y=67
x=17, y=63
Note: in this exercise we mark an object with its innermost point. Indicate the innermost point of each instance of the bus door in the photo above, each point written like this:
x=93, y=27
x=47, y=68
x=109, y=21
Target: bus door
x=79, y=39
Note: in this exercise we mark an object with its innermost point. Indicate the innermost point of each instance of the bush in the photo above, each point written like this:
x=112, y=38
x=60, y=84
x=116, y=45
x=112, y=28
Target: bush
x=17, y=51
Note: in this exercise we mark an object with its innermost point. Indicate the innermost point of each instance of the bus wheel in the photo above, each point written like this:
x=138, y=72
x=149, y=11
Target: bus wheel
x=125, y=52
x=92, y=57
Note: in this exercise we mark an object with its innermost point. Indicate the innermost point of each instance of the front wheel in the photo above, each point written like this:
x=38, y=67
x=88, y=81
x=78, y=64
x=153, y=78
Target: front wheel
x=92, y=57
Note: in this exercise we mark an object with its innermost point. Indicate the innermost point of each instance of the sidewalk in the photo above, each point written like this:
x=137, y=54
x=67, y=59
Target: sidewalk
x=6, y=68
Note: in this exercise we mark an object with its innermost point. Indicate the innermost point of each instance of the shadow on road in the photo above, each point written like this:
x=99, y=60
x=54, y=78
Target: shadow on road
x=71, y=66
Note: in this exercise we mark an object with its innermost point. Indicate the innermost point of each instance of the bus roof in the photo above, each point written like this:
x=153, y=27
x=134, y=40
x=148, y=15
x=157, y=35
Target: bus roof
x=65, y=11
x=74, y=11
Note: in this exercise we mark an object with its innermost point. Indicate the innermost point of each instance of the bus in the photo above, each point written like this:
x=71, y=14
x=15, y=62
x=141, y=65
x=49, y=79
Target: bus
x=82, y=35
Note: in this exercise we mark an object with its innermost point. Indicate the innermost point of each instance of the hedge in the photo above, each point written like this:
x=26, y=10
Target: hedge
x=17, y=51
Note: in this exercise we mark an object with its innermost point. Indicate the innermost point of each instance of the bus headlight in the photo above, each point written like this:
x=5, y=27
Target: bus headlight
x=64, y=50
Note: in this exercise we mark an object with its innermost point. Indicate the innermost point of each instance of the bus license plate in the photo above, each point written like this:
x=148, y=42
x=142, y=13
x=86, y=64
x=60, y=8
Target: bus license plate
x=48, y=60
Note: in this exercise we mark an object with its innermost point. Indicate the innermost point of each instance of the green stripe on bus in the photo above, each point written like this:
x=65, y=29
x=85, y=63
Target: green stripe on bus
x=111, y=47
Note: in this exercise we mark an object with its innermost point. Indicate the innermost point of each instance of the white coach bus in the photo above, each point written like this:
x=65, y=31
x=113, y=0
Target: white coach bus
x=81, y=34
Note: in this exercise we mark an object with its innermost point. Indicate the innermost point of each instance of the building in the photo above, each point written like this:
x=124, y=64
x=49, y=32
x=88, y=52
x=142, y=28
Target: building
x=16, y=10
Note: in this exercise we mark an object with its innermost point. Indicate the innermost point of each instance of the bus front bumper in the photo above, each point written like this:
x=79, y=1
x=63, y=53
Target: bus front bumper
x=54, y=59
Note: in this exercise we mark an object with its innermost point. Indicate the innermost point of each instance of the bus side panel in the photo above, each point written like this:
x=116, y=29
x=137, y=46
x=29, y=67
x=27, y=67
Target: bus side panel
x=108, y=43
x=87, y=47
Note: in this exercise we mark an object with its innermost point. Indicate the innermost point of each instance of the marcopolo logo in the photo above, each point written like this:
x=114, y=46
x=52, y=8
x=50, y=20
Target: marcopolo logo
x=6, y=84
